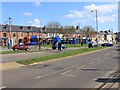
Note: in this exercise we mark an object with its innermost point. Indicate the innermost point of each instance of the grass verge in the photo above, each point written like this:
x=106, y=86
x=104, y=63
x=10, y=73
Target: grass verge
x=19, y=51
x=59, y=55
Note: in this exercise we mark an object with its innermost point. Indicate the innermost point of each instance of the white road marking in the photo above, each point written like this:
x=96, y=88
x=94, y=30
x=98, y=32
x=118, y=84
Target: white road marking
x=53, y=72
x=107, y=54
x=114, y=51
x=45, y=75
x=2, y=87
x=66, y=73
x=91, y=62
x=76, y=65
x=99, y=59
x=81, y=66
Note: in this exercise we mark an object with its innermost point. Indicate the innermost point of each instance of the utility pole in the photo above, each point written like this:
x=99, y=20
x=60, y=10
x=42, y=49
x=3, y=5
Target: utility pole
x=96, y=23
x=39, y=42
x=10, y=41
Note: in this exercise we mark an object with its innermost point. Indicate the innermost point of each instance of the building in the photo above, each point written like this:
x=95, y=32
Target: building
x=106, y=37
x=16, y=34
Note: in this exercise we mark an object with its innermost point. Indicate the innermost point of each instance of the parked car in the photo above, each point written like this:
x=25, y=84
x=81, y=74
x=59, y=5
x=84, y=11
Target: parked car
x=94, y=44
x=107, y=44
x=21, y=47
x=55, y=46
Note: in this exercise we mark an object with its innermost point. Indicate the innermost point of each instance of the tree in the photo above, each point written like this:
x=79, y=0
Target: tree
x=53, y=26
x=88, y=30
x=69, y=29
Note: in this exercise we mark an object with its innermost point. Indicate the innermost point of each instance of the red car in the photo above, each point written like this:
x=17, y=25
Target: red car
x=20, y=47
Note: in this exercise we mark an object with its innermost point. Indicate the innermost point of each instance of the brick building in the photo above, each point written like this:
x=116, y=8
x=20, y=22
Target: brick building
x=18, y=33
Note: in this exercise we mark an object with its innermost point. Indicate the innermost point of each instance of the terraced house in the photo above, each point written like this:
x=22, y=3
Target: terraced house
x=16, y=34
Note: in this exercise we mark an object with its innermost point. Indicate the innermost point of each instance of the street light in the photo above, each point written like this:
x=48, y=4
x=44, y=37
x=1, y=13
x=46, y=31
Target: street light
x=39, y=41
x=10, y=42
x=96, y=23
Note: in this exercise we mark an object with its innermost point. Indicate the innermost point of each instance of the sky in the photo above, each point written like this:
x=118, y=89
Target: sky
x=66, y=13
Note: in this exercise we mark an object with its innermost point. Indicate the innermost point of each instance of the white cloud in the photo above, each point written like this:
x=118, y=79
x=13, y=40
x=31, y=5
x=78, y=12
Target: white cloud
x=37, y=3
x=35, y=22
x=102, y=9
x=75, y=14
x=27, y=14
x=106, y=19
x=106, y=13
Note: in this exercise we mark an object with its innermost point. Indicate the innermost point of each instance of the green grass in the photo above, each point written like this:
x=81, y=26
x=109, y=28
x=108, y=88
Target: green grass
x=59, y=55
x=68, y=45
x=19, y=51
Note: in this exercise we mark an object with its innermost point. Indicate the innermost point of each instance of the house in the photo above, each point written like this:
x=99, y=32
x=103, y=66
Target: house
x=106, y=37
x=16, y=34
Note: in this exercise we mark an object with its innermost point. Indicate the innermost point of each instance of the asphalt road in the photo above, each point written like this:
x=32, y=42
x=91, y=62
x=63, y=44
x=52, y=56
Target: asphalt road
x=28, y=55
x=83, y=71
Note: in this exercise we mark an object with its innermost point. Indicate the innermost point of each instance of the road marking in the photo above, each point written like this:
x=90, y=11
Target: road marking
x=66, y=73
x=99, y=59
x=99, y=85
x=2, y=87
x=114, y=51
x=45, y=75
x=54, y=72
x=81, y=66
x=91, y=62
x=76, y=65
x=107, y=54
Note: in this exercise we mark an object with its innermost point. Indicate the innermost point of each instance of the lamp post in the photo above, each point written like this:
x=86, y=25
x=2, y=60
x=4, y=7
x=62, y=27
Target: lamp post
x=10, y=42
x=39, y=41
x=96, y=23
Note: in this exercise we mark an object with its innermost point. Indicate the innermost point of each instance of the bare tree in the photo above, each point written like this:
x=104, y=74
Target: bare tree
x=88, y=30
x=53, y=26
x=69, y=29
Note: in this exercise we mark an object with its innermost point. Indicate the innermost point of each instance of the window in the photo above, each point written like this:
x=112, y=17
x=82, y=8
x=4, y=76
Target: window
x=4, y=34
x=21, y=34
x=14, y=34
x=27, y=33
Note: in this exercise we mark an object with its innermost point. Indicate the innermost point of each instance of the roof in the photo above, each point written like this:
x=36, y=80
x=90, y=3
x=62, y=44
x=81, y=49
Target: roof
x=108, y=32
x=15, y=28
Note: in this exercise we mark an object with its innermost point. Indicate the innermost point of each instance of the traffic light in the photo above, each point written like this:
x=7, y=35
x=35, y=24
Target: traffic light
x=44, y=28
x=77, y=27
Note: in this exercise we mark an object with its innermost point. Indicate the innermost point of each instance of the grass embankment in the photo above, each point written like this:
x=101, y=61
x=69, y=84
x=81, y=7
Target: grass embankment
x=59, y=55
x=19, y=51
x=69, y=45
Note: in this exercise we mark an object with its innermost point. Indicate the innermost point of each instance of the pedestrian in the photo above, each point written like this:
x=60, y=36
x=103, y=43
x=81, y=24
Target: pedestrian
x=59, y=46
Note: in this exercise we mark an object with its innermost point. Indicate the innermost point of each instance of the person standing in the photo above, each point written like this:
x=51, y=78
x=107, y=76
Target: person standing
x=59, y=46
x=59, y=43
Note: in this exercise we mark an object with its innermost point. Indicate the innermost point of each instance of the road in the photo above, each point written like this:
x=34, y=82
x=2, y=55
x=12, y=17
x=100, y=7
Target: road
x=23, y=56
x=83, y=71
